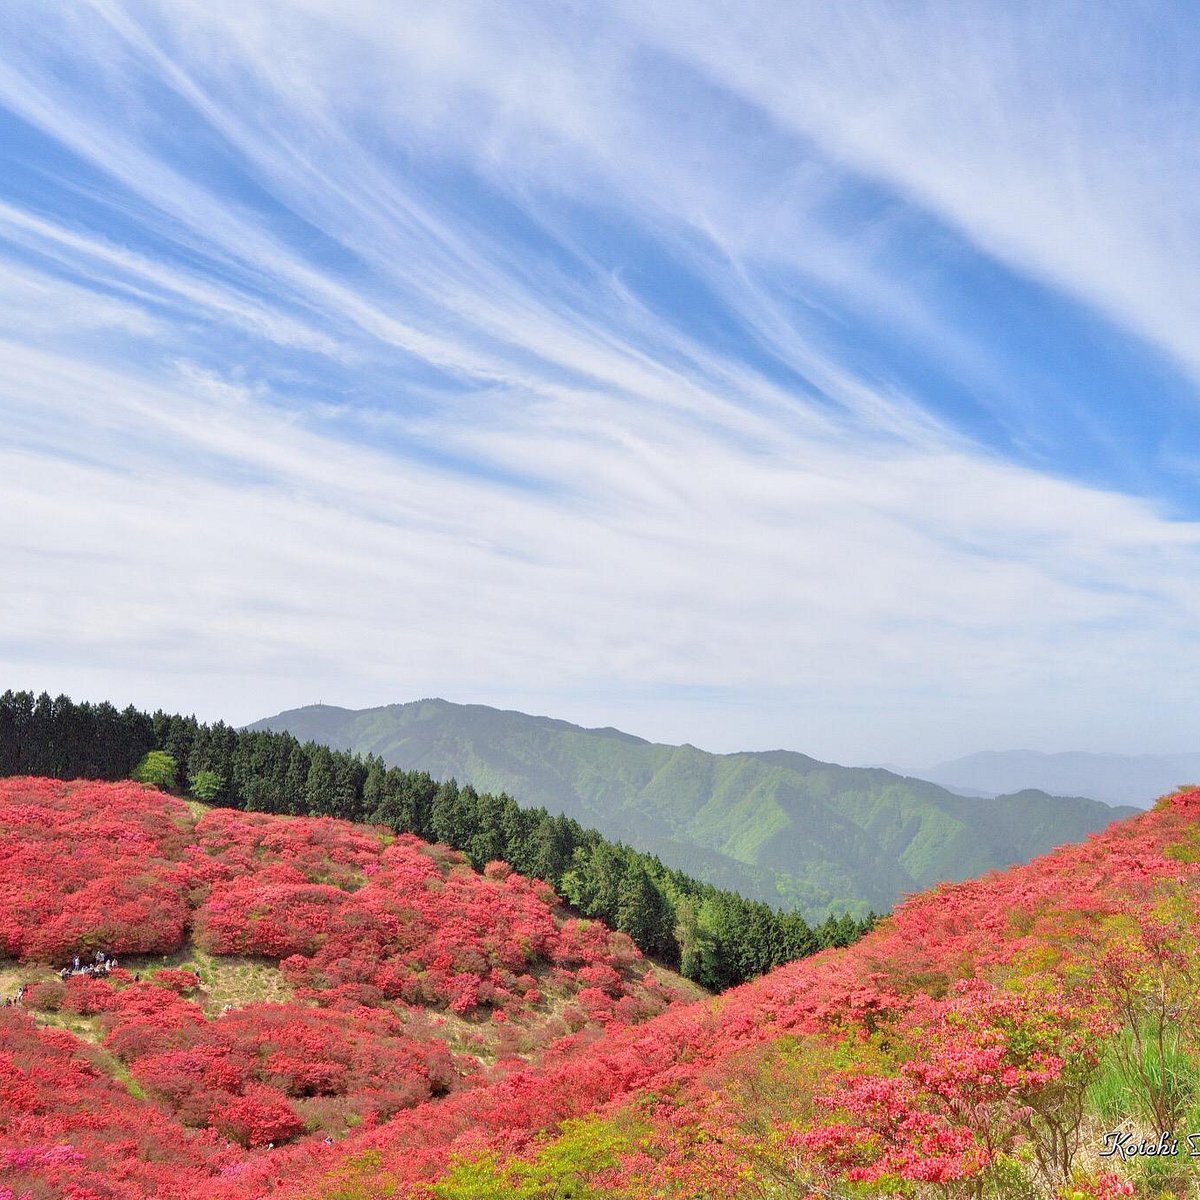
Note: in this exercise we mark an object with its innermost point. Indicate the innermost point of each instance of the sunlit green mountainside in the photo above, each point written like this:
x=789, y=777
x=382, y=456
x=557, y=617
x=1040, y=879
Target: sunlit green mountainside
x=775, y=825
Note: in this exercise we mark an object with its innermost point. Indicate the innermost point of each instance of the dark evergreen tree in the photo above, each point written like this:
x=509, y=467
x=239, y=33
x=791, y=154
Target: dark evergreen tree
x=514, y=826
x=374, y=789
x=447, y=817
x=295, y=780
x=593, y=884
x=487, y=844
x=319, y=786
x=644, y=912
x=550, y=849
x=348, y=776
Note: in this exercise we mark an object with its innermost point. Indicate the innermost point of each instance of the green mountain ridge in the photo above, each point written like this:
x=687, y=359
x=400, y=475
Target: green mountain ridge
x=774, y=825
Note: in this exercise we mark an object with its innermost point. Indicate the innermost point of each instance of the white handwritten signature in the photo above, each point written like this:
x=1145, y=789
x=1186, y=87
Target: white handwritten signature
x=1166, y=1145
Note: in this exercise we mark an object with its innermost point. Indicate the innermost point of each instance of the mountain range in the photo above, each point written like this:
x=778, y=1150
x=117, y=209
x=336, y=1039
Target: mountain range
x=774, y=825
x=1114, y=778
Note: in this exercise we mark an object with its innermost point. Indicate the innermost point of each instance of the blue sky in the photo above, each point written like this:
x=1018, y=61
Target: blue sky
x=750, y=374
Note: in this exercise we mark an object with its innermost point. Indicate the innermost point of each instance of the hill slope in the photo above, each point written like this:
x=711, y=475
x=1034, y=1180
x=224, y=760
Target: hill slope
x=1113, y=778
x=776, y=825
x=279, y=980
x=714, y=936
x=991, y=1039
x=984, y=1041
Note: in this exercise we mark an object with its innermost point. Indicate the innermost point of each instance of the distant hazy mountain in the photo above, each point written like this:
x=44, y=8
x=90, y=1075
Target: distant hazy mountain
x=775, y=825
x=1114, y=778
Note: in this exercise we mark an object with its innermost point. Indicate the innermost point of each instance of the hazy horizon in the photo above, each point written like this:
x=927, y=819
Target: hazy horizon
x=809, y=376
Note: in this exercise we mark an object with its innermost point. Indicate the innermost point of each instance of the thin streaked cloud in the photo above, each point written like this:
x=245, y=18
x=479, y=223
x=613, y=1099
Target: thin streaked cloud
x=752, y=375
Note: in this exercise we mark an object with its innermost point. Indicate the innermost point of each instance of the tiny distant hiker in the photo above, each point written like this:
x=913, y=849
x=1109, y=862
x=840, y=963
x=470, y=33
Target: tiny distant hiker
x=76, y=964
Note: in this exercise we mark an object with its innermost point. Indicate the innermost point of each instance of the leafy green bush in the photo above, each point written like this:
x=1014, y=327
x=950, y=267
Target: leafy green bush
x=157, y=768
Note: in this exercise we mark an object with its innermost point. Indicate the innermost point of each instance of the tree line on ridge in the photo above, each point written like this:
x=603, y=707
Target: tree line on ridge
x=713, y=936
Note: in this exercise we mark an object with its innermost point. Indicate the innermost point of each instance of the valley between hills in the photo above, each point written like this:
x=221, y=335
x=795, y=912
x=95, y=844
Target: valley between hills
x=776, y=826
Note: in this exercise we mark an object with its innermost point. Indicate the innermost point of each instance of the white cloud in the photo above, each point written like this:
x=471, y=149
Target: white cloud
x=296, y=565
x=1059, y=138
x=683, y=544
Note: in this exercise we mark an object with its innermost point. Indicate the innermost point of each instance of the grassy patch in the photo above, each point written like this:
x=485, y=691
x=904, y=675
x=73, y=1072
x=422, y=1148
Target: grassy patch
x=14, y=974
x=1116, y=1092
x=686, y=989
x=197, y=808
x=238, y=980
x=1116, y=1103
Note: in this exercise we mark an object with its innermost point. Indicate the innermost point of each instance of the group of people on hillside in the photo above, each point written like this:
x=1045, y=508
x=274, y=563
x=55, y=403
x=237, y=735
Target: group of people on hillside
x=101, y=966
x=97, y=969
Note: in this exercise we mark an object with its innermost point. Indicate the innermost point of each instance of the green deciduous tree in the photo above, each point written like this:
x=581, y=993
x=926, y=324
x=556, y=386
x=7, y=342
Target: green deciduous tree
x=206, y=786
x=158, y=769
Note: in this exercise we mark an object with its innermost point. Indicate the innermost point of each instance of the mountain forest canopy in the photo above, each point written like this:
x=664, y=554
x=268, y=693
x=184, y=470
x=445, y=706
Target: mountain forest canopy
x=713, y=936
x=775, y=825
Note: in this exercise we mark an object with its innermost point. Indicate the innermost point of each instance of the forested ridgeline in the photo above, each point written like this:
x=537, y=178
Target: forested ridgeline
x=714, y=937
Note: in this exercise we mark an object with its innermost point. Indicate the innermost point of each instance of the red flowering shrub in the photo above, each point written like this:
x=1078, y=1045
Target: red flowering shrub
x=198, y=1066
x=260, y=1116
x=90, y=866
x=580, y=942
x=144, y=1019
x=602, y=977
x=400, y=922
x=48, y=996
x=596, y=1004
x=992, y=1069
x=268, y=916
x=68, y=1129
x=86, y=996
x=176, y=980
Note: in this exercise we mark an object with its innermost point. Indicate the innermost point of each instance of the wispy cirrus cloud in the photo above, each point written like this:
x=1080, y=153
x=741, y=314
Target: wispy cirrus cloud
x=746, y=376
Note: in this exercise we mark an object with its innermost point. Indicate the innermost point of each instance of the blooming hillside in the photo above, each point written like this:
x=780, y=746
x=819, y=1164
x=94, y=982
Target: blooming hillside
x=992, y=1039
x=388, y=974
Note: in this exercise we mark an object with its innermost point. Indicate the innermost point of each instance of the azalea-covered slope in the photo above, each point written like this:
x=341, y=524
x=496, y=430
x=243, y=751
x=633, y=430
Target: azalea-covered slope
x=717, y=938
x=991, y=1039
x=397, y=976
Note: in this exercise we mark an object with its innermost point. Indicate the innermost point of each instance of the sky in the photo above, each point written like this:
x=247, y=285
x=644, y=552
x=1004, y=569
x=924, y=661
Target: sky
x=747, y=374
